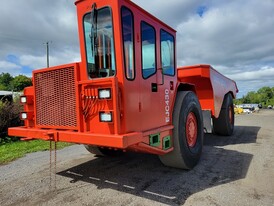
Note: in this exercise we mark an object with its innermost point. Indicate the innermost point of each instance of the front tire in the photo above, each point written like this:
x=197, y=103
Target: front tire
x=94, y=150
x=99, y=151
x=188, y=132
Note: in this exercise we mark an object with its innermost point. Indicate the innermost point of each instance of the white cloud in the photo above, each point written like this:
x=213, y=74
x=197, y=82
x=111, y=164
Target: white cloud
x=34, y=62
x=263, y=74
x=38, y=62
x=8, y=67
x=26, y=26
x=4, y=65
x=225, y=36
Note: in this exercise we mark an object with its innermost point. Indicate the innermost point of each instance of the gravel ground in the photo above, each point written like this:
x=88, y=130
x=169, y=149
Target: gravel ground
x=236, y=170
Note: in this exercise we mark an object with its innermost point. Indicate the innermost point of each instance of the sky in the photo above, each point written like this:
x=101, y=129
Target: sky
x=236, y=37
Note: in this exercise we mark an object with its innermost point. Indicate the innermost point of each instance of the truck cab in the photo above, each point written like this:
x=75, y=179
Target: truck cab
x=123, y=42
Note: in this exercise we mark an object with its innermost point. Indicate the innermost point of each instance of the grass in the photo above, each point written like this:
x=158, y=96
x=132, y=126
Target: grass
x=14, y=150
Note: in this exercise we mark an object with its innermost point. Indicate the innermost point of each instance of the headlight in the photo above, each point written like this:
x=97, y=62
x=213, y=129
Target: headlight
x=23, y=99
x=26, y=115
x=105, y=117
x=27, y=99
x=104, y=93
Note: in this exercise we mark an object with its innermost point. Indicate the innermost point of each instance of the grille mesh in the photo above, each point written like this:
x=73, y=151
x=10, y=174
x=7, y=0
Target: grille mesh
x=55, y=98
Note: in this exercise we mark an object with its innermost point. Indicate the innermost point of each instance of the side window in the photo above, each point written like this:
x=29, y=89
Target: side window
x=167, y=53
x=148, y=50
x=128, y=40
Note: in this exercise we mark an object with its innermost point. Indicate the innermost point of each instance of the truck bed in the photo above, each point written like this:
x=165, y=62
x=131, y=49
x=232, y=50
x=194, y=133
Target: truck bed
x=210, y=85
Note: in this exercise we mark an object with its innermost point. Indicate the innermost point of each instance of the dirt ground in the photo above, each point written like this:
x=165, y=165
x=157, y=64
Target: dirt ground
x=236, y=170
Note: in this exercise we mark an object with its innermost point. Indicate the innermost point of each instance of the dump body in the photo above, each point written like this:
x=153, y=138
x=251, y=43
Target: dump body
x=210, y=85
x=122, y=93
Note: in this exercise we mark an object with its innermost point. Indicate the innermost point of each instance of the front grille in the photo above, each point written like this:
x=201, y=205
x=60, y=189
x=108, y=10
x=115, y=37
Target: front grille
x=55, y=98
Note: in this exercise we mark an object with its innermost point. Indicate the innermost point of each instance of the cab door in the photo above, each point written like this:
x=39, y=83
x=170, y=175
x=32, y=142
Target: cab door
x=156, y=85
x=149, y=66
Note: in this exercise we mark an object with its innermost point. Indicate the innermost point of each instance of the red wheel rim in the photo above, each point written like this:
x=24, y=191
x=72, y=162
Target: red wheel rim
x=191, y=129
x=230, y=114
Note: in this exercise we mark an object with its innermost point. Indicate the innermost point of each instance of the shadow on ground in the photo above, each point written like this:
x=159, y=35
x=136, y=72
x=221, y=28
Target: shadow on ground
x=143, y=175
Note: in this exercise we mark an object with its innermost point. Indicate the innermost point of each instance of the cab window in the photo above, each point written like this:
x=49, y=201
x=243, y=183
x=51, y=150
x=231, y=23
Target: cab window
x=148, y=38
x=128, y=42
x=98, y=30
x=167, y=53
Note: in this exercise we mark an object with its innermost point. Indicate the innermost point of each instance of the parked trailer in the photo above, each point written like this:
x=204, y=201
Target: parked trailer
x=126, y=93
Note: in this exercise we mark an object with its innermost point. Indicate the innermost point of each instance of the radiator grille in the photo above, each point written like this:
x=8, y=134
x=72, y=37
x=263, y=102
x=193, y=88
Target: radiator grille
x=55, y=98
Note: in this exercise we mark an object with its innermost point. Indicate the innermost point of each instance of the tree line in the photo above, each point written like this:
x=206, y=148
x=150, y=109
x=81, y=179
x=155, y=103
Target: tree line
x=264, y=96
x=16, y=84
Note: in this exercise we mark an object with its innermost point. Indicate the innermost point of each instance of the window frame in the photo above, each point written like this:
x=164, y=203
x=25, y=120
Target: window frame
x=85, y=43
x=133, y=42
x=155, y=49
x=162, y=30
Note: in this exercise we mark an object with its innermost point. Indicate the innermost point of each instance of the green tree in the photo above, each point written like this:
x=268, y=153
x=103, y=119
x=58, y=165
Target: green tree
x=20, y=82
x=265, y=93
x=5, y=81
x=2, y=87
x=252, y=97
x=238, y=101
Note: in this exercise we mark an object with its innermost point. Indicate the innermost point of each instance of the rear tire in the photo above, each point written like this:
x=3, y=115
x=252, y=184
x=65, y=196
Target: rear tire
x=103, y=151
x=224, y=124
x=188, y=132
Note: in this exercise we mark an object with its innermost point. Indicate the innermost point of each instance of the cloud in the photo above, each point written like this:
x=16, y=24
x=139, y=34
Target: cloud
x=38, y=62
x=25, y=27
x=4, y=65
x=8, y=67
x=263, y=74
x=227, y=37
x=172, y=12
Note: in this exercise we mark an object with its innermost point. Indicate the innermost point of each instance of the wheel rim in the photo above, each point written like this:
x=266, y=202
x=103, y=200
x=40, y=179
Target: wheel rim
x=191, y=129
x=230, y=114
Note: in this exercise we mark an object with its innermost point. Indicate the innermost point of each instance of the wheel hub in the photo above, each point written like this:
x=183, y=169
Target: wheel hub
x=191, y=129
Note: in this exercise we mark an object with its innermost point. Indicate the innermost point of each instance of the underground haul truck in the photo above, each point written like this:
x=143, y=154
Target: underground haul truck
x=127, y=93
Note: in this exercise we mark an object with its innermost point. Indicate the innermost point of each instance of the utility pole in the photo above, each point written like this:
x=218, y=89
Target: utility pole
x=47, y=48
x=47, y=44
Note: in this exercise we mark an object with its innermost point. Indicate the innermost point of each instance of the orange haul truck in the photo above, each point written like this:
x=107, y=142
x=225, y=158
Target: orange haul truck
x=127, y=94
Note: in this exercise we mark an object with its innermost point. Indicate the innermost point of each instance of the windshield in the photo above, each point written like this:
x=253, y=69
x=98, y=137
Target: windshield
x=99, y=43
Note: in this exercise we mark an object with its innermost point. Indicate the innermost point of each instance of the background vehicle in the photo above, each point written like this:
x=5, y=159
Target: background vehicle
x=127, y=94
x=238, y=109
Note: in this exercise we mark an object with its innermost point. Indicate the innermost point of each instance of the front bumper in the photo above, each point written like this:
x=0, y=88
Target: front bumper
x=106, y=140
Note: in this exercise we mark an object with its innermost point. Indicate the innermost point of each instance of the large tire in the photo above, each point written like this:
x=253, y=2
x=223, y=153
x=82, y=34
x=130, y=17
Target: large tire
x=188, y=132
x=94, y=150
x=98, y=151
x=224, y=124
